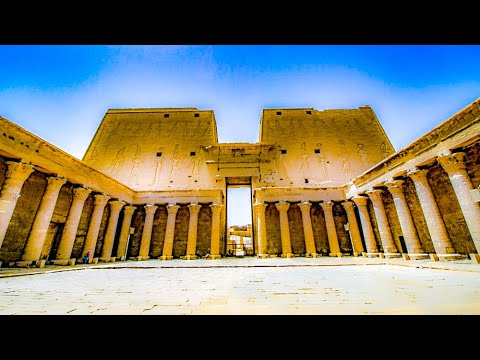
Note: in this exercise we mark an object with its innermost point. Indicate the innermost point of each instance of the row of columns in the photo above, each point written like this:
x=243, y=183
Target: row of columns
x=454, y=166
x=172, y=210
x=327, y=207
x=17, y=174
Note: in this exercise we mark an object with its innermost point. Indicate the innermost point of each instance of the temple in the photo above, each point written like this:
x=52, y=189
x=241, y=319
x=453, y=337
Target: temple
x=153, y=185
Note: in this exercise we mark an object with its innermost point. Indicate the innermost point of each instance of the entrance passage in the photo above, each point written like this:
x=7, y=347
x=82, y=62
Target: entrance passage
x=239, y=221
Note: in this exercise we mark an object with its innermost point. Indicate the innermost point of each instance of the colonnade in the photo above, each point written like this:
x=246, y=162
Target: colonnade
x=18, y=172
x=454, y=166
x=327, y=206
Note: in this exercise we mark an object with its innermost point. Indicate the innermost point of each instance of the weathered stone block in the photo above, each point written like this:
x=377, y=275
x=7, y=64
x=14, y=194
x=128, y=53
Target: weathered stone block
x=60, y=262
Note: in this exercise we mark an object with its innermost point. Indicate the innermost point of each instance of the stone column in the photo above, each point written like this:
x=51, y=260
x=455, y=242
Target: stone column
x=454, y=165
x=282, y=207
x=331, y=229
x=353, y=228
x=192, y=231
x=144, y=253
x=115, y=207
x=215, y=237
x=261, y=229
x=169, y=232
x=310, y=248
x=412, y=241
x=36, y=238
x=17, y=174
x=371, y=244
x=382, y=221
x=125, y=232
x=94, y=227
x=65, y=247
x=438, y=232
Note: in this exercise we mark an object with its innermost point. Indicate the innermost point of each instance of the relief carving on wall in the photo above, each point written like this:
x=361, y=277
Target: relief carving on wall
x=383, y=150
x=117, y=163
x=279, y=165
x=322, y=161
x=362, y=152
x=347, y=168
x=196, y=164
x=305, y=166
x=175, y=163
x=159, y=159
x=134, y=172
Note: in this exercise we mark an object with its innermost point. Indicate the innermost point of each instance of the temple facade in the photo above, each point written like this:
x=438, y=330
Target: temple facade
x=153, y=185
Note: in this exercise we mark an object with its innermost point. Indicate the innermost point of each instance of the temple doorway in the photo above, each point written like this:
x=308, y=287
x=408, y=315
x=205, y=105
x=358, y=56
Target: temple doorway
x=239, y=233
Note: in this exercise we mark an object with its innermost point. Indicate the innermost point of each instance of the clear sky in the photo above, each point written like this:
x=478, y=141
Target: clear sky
x=61, y=92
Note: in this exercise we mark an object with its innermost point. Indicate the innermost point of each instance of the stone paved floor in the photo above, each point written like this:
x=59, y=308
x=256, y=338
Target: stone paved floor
x=323, y=286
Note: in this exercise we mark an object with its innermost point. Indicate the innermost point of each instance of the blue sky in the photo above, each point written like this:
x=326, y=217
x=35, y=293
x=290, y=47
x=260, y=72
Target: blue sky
x=61, y=92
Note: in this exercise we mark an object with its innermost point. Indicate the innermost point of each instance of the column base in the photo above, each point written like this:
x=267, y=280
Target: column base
x=392, y=255
x=24, y=264
x=190, y=257
x=142, y=258
x=475, y=258
x=288, y=256
x=214, y=257
x=262, y=256
x=447, y=257
x=60, y=262
x=313, y=255
x=339, y=254
x=107, y=259
x=358, y=253
x=371, y=255
x=415, y=256
x=273, y=256
x=166, y=257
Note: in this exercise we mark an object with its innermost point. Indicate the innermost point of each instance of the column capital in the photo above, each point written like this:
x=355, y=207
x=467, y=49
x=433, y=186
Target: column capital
x=116, y=205
x=81, y=193
x=375, y=195
x=18, y=170
x=305, y=206
x=129, y=210
x=395, y=187
x=394, y=183
x=150, y=209
x=101, y=199
x=327, y=206
x=55, y=182
x=172, y=208
x=452, y=163
x=348, y=205
x=194, y=208
x=260, y=207
x=282, y=206
x=216, y=208
x=417, y=175
x=360, y=201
